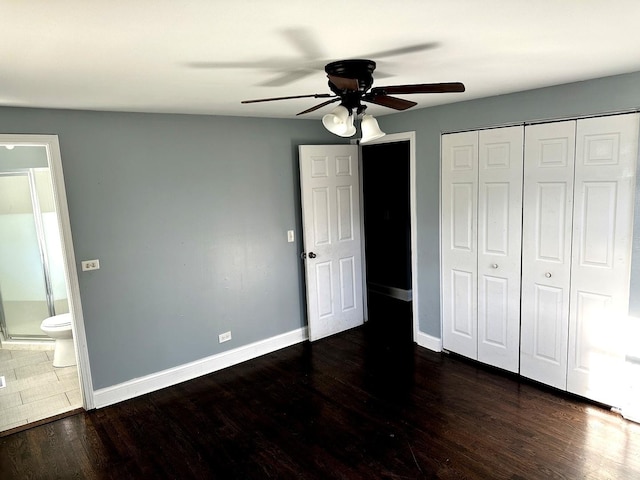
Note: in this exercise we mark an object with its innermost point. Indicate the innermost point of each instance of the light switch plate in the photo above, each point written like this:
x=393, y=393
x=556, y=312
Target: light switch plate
x=290, y=236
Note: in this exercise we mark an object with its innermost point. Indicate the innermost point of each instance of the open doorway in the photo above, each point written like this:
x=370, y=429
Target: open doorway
x=388, y=239
x=44, y=370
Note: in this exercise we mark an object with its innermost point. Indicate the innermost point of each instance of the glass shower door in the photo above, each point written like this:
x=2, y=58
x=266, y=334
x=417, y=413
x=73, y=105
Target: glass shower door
x=24, y=297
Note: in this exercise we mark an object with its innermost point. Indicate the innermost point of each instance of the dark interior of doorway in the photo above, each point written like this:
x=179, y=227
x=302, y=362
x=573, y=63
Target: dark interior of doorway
x=387, y=234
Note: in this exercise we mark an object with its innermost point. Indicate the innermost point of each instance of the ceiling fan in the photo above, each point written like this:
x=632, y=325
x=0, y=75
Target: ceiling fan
x=309, y=60
x=351, y=83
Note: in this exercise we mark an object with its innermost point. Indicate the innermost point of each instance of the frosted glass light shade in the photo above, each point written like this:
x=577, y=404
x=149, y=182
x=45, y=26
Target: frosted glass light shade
x=339, y=122
x=370, y=129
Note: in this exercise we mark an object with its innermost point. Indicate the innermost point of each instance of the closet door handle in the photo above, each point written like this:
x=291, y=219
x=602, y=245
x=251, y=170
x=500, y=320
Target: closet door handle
x=548, y=274
x=495, y=265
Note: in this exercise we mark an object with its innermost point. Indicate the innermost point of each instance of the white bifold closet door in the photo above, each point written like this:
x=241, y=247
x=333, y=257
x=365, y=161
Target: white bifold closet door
x=459, y=243
x=499, y=245
x=579, y=189
x=536, y=258
x=546, y=251
x=481, y=244
x=605, y=171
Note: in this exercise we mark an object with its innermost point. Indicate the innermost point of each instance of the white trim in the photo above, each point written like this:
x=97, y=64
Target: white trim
x=363, y=255
x=537, y=121
x=429, y=342
x=440, y=276
x=188, y=371
x=415, y=305
x=50, y=142
x=411, y=138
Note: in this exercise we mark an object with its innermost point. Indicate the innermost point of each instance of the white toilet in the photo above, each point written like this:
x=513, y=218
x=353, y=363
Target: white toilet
x=59, y=328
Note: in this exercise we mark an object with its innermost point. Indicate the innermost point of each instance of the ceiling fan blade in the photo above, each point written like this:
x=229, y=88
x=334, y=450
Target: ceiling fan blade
x=205, y=65
x=316, y=107
x=302, y=39
x=286, y=78
x=382, y=74
x=387, y=101
x=403, y=50
x=315, y=95
x=344, y=83
x=420, y=88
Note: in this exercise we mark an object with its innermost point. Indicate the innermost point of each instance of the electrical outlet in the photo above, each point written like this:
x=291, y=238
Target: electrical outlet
x=224, y=337
x=90, y=265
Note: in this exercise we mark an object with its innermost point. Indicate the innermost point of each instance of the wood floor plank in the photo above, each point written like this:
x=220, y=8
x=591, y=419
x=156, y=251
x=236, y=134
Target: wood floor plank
x=355, y=406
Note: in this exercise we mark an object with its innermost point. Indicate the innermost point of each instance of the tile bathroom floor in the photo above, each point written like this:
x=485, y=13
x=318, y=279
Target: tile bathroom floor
x=34, y=388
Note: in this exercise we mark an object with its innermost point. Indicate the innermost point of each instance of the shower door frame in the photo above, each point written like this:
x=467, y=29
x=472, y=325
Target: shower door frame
x=42, y=250
x=52, y=146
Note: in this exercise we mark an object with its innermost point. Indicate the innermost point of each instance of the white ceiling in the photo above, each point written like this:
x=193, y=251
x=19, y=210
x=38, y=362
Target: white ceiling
x=205, y=56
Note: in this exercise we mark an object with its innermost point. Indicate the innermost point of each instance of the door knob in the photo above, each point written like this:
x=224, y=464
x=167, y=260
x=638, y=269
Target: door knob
x=495, y=265
x=312, y=255
x=548, y=274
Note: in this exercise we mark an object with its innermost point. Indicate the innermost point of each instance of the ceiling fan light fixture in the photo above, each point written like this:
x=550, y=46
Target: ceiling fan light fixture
x=339, y=122
x=350, y=82
x=370, y=129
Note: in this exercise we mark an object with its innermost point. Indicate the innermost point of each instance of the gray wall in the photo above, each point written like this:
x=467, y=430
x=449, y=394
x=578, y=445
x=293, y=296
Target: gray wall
x=572, y=100
x=188, y=216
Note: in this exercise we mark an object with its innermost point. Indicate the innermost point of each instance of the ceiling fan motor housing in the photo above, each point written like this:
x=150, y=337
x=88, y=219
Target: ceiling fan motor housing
x=360, y=70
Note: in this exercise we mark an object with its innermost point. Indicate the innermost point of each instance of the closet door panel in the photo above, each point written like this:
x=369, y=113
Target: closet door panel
x=606, y=153
x=546, y=251
x=499, y=245
x=459, y=242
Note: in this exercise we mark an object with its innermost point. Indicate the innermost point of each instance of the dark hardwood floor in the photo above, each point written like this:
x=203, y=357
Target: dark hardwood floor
x=356, y=405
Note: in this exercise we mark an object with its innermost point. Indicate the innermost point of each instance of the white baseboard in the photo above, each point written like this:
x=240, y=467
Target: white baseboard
x=429, y=342
x=172, y=376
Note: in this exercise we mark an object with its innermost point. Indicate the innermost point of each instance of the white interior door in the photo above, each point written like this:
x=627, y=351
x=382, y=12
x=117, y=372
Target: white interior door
x=459, y=243
x=546, y=251
x=606, y=153
x=331, y=220
x=500, y=160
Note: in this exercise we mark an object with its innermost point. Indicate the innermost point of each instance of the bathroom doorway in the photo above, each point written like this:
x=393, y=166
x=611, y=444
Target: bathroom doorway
x=36, y=282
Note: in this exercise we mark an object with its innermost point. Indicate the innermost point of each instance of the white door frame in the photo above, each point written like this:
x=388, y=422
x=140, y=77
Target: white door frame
x=50, y=142
x=392, y=138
